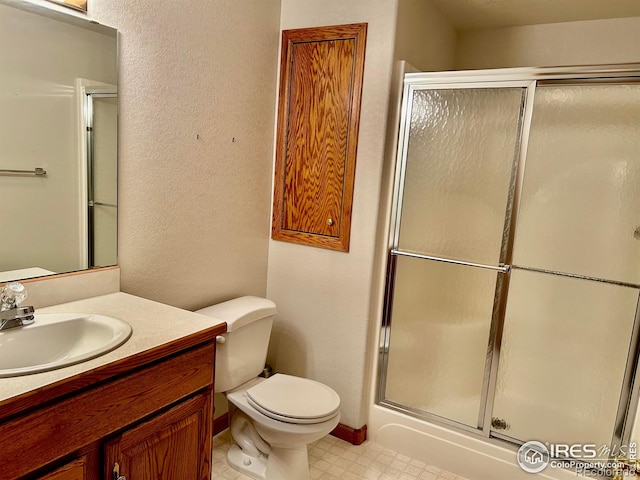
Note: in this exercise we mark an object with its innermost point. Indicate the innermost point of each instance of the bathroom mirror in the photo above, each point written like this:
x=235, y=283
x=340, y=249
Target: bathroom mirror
x=58, y=142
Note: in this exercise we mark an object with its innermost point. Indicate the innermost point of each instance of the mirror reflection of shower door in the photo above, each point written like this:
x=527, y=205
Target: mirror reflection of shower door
x=461, y=145
x=574, y=288
x=102, y=112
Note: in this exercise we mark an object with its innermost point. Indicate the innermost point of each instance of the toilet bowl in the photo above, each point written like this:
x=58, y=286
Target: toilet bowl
x=272, y=420
x=266, y=407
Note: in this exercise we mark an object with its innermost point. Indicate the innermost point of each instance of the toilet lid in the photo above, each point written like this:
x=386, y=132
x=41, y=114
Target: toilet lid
x=294, y=399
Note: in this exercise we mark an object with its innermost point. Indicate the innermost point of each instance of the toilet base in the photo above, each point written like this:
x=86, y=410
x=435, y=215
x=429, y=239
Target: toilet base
x=281, y=464
x=288, y=463
x=250, y=466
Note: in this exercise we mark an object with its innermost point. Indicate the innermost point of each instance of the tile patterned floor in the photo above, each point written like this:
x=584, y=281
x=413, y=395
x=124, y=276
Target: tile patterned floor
x=334, y=459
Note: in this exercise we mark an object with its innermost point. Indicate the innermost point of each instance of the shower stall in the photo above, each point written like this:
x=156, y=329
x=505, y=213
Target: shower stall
x=513, y=276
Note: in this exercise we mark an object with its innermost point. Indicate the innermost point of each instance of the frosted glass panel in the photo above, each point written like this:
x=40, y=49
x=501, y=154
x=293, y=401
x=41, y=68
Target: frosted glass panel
x=462, y=146
x=105, y=236
x=105, y=149
x=580, y=202
x=439, y=336
x=105, y=181
x=563, y=356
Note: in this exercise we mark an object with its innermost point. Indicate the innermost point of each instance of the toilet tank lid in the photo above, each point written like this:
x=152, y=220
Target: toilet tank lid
x=240, y=311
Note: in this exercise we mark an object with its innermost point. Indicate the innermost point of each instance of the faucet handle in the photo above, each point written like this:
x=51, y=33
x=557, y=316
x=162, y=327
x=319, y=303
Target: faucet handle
x=11, y=295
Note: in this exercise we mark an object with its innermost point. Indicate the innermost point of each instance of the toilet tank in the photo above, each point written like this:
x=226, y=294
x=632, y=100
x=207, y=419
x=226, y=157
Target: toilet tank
x=241, y=355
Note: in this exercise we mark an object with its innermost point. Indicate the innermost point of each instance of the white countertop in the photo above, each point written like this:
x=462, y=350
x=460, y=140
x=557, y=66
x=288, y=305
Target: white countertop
x=31, y=272
x=153, y=324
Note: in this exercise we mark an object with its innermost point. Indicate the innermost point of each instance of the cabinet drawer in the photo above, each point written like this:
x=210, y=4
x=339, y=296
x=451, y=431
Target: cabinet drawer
x=75, y=470
x=56, y=430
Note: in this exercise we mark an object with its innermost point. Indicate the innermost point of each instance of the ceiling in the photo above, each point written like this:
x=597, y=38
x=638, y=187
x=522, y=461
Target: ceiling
x=475, y=14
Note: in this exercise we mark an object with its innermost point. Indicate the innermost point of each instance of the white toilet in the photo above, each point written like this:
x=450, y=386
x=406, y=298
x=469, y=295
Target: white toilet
x=271, y=420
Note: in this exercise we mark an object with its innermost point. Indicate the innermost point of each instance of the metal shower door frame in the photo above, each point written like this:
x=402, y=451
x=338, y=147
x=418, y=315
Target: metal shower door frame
x=528, y=78
x=89, y=94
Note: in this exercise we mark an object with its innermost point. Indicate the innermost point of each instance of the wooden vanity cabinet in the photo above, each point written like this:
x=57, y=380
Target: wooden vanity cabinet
x=173, y=445
x=149, y=415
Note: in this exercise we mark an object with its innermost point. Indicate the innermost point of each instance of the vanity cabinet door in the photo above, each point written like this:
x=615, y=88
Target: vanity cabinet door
x=174, y=445
x=76, y=470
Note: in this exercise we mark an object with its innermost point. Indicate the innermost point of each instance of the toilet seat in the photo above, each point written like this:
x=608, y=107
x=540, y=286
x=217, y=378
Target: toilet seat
x=294, y=400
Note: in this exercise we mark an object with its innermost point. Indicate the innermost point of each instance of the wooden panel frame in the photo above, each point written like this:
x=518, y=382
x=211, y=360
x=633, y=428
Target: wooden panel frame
x=357, y=32
x=80, y=5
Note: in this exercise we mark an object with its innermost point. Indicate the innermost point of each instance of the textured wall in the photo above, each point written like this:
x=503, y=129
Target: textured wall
x=197, y=85
x=570, y=43
x=323, y=297
x=424, y=37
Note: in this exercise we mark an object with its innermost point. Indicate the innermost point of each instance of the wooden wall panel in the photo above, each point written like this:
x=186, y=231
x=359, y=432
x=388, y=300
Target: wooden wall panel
x=318, y=119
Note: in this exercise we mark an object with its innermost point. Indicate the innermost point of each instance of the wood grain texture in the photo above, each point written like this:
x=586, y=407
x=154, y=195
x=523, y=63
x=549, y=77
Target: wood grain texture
x=221, y=423
x=318, y=118
x=172, y=446
x=351, y=435
x=90, y=456
x=319, y=101
x=32, y=399
x=76, y=470
x=72, y=423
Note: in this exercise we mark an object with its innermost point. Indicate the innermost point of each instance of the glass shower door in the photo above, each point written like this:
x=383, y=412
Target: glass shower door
x=461, y=145
x=573, y=291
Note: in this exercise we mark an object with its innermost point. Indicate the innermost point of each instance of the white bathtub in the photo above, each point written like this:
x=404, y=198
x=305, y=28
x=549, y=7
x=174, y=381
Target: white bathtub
x=471, y=457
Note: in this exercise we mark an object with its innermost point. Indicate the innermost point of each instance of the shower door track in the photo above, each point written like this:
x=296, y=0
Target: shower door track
x=528, y=78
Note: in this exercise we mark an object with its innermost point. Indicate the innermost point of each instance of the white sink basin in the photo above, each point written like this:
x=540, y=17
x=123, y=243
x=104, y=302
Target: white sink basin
x=56, y=340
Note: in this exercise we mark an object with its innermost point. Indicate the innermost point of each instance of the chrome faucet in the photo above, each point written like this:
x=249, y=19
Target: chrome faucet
x=11, y=314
